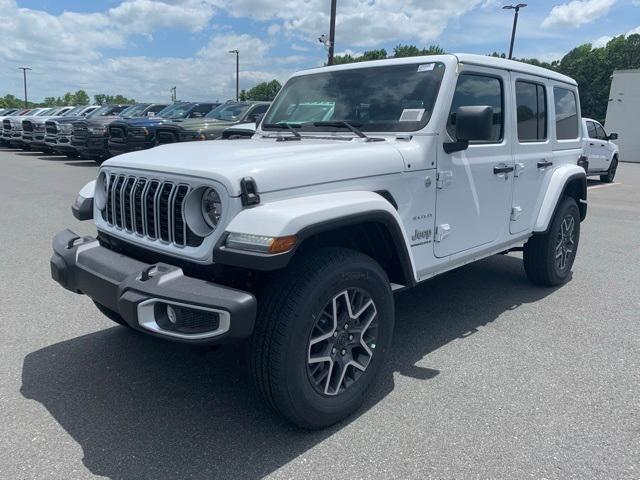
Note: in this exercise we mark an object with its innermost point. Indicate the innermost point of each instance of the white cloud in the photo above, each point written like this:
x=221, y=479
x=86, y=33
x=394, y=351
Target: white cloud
x=360, y=23
x=577, y=13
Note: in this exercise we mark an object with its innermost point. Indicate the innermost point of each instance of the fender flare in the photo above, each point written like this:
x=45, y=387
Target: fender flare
x=560, y=178
x=309, y=216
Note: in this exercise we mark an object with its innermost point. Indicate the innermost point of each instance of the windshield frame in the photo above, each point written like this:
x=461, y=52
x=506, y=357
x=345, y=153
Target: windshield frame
x=380, y=127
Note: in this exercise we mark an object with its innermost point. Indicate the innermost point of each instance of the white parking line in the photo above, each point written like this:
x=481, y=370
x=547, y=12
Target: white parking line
x=604, y=185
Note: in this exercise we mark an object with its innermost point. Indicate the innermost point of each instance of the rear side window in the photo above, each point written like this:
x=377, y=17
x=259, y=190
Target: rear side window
x=566, y=114
x=531, y=100
x=478, y=90
x=591, y=130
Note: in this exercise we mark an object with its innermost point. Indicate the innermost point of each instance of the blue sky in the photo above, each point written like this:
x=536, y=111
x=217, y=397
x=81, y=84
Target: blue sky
x=141, y=48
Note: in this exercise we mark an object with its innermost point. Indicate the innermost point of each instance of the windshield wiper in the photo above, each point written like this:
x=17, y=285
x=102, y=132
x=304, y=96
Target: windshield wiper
x=341, y=123
x=284, y=125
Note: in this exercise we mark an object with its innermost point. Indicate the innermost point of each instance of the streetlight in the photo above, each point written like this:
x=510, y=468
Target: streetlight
x=24, y=75
x=174, y=94
x=330, y=42
x=515, y=23
x=237, y=52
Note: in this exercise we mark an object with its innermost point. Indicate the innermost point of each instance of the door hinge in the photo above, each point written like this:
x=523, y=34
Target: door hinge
x=516, y=213
x=444, y=179
x=442, y=232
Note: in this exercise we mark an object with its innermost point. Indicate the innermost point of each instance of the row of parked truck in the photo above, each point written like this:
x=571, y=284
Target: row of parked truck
x=99, y=132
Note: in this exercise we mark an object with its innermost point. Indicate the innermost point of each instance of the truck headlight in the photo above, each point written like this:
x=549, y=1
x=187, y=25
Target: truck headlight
x=100, y=194
x=211, y=207
x=203, y=210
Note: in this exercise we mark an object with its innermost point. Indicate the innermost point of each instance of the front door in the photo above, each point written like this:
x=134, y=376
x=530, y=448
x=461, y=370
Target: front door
x=474, y=185
x=593, y=148
x=531, y=150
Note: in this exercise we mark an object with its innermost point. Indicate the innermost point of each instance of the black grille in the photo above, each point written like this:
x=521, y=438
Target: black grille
x=80, y=129
x=167, y=136
x=6, y=124
x=51, y=128
x=27, y=126
x=186, y=320
x=149, y=208
x=117, y=132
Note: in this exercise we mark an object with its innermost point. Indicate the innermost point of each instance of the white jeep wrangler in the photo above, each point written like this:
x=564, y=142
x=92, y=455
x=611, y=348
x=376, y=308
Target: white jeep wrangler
x=297, y=238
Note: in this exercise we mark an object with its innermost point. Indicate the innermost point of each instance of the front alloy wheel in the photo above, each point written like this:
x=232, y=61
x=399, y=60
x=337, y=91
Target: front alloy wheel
x=342, y=342
x=323, y=327
x=565, y=243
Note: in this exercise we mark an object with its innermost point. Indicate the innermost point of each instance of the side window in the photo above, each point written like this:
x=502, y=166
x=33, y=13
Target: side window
x=531, y=101
x=256, y=112
x=591, y=130
x=478, y=90
x=601, y=134
x=566, y=114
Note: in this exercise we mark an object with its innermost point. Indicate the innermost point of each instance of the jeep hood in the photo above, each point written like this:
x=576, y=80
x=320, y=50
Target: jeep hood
x=273, y=165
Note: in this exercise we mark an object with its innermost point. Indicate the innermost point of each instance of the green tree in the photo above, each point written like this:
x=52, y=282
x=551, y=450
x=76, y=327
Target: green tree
x=265, y=91
x=413, y=51
x=102, y=99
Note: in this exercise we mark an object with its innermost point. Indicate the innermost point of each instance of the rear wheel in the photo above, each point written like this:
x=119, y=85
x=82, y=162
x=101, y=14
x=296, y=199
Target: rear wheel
x=322, y=332
x=611, y=174
x=548, y=257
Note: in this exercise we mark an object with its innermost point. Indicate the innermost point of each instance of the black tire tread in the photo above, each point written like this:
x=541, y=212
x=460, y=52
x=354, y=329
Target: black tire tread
x=280, y=302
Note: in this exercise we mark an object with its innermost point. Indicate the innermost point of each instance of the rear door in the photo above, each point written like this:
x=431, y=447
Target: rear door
x=531, y=149
x=474, y=186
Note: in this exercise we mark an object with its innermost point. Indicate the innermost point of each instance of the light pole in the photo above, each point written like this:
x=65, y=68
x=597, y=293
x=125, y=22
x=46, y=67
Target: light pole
x=515, y=23
x=332, y=32
x=237, y=52
x=24, y=76
x=174, y=94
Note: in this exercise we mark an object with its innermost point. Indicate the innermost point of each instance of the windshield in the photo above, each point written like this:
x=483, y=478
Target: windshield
x=106, y=110
x=228, y=112
x=74, y=111
x=44, y=112
x=134, y=110
x=177, y=110
x=393, y=98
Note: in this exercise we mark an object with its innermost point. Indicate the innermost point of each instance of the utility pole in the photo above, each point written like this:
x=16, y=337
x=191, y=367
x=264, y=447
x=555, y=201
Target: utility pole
x=332, y=32
x=237, y=52
x=515, y=23
x=24, y=76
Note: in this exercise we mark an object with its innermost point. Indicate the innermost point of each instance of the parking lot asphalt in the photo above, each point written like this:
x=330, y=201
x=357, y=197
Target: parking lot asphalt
x=488, y=377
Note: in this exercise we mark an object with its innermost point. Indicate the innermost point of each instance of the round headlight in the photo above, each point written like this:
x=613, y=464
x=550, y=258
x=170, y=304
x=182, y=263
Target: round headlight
x=211, y=207
x=100, y=194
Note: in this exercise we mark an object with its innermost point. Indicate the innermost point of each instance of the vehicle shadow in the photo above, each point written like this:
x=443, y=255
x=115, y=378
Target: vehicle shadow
x=83, y=163
x=144, y=408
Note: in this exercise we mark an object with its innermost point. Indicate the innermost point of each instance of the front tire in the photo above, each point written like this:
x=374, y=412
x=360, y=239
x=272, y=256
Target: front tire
x=323, y=328
x=611, y=174
x=548, y=257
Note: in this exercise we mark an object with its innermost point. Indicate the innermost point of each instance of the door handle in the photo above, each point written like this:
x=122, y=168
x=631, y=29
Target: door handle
x=592, y=144
x=544, y=163
x=502, y=169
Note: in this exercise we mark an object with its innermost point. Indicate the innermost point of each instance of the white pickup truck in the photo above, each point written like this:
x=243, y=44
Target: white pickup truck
x=296, y=239
x=601, y=153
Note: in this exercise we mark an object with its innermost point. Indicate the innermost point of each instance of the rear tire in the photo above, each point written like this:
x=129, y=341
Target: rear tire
x=611, y=174
x=548, y=257
x=330, y=307
x=111, y=315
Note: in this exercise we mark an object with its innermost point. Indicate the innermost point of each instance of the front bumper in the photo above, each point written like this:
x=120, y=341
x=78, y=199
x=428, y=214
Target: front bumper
x=91, y=145
x=135, y=290
x=117, y=147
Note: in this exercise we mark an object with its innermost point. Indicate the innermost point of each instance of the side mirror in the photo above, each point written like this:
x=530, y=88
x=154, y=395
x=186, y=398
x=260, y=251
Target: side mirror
x=612, y=136
x=472, y=123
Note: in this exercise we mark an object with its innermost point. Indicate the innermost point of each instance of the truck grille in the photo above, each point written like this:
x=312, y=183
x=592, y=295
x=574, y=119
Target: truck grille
x=117, y=132
x=51, y=128
x=167, y=136
x=149, y=208
x=27, y=126
x=80, y=129
x=6, y=124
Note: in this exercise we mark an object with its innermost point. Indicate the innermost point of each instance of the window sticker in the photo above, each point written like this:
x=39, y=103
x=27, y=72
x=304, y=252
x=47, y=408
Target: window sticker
x=426, y=67
x=411, y=115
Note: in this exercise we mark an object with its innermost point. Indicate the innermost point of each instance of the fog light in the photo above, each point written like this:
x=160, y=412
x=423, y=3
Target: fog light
x=171, y=314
